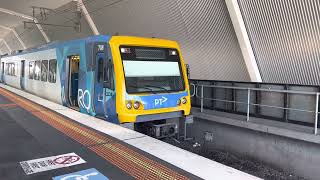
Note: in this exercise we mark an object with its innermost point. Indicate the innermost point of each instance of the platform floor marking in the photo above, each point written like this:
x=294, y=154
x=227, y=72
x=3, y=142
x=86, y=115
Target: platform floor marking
x=133, y=163
x=87, y=174
x=8, y=105
x=50, y=163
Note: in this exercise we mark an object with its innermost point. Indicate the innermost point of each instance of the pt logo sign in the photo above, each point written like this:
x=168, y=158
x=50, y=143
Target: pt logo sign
x=160, y=101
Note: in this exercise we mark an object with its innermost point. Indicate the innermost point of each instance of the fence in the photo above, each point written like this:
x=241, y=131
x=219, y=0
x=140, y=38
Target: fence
x=283, y=102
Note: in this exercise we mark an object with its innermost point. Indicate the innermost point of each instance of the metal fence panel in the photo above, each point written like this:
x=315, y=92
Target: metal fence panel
x=242, y=96
x=272, y=99
x=284, y=102
x=301, y=101
x=223, y=94
x=207, y=94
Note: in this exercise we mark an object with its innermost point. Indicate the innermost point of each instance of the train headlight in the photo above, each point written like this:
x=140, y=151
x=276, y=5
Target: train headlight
x=125, y=50
x=136, y=105
x=173, y=53
x=184, y=100
x=129, y=105
x=179, y=102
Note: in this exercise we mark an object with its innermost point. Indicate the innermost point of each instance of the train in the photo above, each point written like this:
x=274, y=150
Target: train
x=125, y=80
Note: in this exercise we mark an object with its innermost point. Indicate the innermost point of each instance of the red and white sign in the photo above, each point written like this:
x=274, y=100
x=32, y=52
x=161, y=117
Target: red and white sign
x=50, y=163
x=67, y=159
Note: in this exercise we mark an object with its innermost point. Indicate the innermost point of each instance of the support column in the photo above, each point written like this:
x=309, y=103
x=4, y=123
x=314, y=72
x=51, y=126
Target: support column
x=19, y=39
x=243, y=39
x=16, y=34
x=13, y=13
x=88, y=18
x=5, y=43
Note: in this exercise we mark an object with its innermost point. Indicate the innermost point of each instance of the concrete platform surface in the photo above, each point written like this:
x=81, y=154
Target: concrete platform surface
x=31, y=131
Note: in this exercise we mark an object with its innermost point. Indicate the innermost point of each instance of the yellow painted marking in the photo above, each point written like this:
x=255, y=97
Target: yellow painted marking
x=138, y=161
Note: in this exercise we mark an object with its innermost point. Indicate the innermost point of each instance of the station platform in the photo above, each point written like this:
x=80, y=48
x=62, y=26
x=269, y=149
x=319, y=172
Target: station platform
x=43, y=140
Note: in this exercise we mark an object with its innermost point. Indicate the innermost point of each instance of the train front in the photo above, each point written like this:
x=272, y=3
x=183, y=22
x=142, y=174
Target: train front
x=152, y=89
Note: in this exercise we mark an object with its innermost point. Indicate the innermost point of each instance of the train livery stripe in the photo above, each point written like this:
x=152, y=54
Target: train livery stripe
x=130, y=161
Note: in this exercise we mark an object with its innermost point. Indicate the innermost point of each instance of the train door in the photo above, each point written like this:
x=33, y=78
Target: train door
x=104, y=93
x=22, y=73
x=2, y=72
x=98, y=89
x=73, y=66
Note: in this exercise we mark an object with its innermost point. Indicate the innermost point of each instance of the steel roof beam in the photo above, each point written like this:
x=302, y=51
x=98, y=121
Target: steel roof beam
x=5, y=43
x=89, y=20
x=16, y=34
x=13, y=13
x=243, y=39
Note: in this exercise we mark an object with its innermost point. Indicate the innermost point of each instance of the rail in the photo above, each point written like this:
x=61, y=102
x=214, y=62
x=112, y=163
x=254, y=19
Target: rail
x=198, y=92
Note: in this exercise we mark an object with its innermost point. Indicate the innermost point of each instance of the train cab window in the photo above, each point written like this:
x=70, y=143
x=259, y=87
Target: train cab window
x=37, y=70
x=31, y=69
x=52, y=71
x=44, y=70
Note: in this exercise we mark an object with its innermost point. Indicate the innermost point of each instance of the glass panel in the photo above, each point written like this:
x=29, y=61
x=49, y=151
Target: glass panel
x=100, y=70
x=150, y=68
x=22, y=68
x=154, y=70
x=52, y=70
x=44, y=70
x=31, y=69
x=37, y=70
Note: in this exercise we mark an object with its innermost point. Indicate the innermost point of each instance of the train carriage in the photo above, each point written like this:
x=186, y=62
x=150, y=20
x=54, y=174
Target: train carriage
x=118, y=78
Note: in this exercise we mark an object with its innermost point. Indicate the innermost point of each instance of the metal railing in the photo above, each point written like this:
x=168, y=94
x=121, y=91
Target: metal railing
x=198, y=92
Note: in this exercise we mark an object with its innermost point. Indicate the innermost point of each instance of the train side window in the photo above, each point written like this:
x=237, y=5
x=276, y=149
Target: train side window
x=22, y=70
x=53, y=70
x=37, y=70
x=31, y=69
x=13, y=69
x=100, y=70
x=10, y=69
x=108, y=75
x=44, y=70
x=7, y=69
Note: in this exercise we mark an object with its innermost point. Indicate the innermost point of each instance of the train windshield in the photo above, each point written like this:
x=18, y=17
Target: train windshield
x=153, y=70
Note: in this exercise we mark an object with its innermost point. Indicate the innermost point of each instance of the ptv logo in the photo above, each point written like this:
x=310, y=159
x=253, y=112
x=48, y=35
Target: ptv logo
x=160, y=101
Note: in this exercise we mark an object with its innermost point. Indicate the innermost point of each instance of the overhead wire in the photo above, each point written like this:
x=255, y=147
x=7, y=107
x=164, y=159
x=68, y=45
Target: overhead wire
x=66, y=10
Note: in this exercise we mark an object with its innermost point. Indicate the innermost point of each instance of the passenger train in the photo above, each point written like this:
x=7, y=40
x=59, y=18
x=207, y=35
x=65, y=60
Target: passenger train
x=121, y=79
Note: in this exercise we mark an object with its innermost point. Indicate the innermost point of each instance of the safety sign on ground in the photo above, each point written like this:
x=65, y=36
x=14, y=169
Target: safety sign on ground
x=50, y=163
x=88, y=174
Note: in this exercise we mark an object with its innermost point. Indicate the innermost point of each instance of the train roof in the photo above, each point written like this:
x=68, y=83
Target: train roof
x=56, y=44
x=106, y=38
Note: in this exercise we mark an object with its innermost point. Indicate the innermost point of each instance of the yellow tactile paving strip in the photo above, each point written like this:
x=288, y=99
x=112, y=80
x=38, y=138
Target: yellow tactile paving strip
x=130, y=161
x=7, y=105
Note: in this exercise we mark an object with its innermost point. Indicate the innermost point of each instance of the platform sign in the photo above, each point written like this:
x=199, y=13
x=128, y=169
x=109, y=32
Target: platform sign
x=88, y=174
x=50, y=163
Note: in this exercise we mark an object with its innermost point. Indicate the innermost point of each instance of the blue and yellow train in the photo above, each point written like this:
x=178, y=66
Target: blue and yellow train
x=118, y=78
